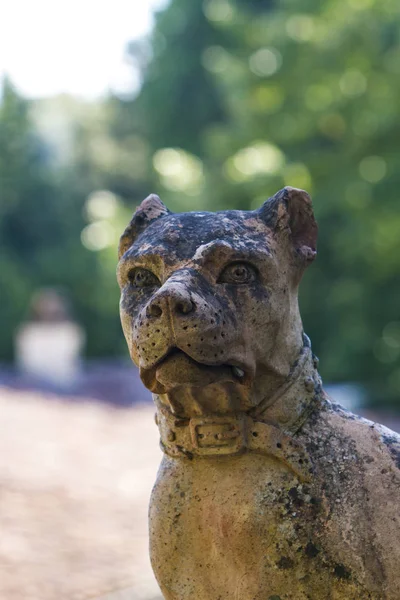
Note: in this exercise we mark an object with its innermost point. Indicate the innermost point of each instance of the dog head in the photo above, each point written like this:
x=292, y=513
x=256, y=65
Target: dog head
x=209, y=300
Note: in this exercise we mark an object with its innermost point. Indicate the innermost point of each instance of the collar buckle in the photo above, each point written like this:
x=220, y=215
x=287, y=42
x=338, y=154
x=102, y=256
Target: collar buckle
x=218, y=434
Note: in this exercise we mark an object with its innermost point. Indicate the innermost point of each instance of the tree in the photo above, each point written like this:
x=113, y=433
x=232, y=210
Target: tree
x=41, y=220
x=239, y=99
x=25, y=195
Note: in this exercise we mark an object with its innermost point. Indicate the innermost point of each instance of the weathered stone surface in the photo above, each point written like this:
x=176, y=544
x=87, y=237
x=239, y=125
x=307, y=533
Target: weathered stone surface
x=267, y=490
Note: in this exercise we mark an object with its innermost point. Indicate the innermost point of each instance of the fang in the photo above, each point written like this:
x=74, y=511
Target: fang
x=238, y=372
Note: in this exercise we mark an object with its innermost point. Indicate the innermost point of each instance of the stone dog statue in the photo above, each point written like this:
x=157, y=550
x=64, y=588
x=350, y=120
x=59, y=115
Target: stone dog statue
x=267, y=490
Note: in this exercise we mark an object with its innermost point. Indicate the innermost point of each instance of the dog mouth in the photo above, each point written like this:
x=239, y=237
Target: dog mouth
x=177, y=368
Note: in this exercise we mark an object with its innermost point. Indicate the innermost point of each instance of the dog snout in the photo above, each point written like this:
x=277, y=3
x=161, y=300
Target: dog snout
x=174, y=300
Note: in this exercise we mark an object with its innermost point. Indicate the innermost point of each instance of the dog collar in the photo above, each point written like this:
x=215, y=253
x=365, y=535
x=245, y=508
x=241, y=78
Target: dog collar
x=267, y=429
x=216, y=435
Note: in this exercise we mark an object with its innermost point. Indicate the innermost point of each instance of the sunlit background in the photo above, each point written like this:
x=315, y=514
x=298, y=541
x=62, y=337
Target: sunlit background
x=212, y=104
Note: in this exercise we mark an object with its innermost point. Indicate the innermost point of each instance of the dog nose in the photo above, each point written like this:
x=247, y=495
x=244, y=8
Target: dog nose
x=177, y=301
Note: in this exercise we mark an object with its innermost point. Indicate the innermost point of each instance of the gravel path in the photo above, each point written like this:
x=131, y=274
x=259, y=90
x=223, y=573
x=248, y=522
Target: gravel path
x=75, y=480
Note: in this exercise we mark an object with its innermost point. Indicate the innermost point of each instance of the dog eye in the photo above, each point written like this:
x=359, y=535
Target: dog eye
x=238, y=273
x=142, y=278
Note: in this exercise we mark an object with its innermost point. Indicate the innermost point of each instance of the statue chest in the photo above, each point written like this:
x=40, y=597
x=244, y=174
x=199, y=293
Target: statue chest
x=208, y=512
x=239, y=528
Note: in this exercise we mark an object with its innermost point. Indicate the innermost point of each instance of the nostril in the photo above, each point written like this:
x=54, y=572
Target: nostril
x=154, y=310
x=184, y=307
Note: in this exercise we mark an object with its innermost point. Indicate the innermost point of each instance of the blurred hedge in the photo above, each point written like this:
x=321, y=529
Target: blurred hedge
x=237, y=100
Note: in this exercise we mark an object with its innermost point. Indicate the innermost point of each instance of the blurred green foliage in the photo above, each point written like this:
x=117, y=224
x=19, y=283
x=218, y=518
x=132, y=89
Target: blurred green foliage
x=41, y=219
x=238, y=99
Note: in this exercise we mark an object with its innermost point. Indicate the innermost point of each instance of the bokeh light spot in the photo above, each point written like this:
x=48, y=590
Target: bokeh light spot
x=257, y=159
x=353, y=83
x=215, y=59
x=300, y=28
x=218, y=10
x=101, y=204
x=267, y=98
x=298, y=175
x=98, y=235
x=372, y=168
x=265, y=62
x=179, y=170
x=360, y=4
x=318, y=97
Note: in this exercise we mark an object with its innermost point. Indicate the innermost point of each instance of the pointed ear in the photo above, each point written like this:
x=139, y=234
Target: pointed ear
x=149, y=210
x=290, y=210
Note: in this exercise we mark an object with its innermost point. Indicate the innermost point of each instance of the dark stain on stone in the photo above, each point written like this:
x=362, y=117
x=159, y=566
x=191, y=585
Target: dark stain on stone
x=269, y=210
x=310, y=550
x=392, y=443
x=368, y=459
x=294, y=495
x=341, y=572
x=285, y=563
x=396, y=455
x=341, y=410
x=200, y=228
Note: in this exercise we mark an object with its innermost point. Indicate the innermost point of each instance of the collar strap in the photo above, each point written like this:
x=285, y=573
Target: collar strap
x=296, y=398
x=297, y=369
x=213, y=435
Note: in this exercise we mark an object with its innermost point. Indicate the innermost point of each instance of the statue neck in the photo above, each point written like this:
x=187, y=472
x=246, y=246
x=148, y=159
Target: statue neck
x=290, y=405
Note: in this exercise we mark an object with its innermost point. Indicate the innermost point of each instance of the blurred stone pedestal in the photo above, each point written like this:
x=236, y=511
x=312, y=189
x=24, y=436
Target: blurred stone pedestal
x=48, y=346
